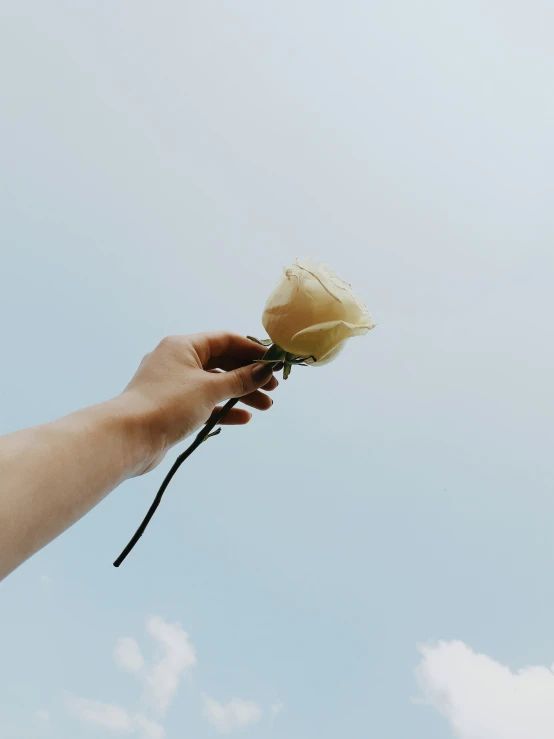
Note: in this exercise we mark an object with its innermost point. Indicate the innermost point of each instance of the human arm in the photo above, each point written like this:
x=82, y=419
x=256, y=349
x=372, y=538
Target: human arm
x=53, y=474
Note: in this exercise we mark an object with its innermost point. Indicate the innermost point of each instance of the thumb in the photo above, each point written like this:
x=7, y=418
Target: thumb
x=242, y=381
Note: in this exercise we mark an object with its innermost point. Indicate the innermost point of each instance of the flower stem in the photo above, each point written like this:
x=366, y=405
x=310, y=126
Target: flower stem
x=202, y=436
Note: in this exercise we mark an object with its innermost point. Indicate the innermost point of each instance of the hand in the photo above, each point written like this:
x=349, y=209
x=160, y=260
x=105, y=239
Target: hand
x=178, y=386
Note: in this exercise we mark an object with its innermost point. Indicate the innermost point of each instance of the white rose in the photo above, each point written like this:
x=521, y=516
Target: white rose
x=312, y=312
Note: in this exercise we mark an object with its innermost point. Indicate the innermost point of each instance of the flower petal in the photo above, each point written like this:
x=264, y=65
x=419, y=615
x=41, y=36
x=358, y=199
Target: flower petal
x=329, y=357
x=322, y=338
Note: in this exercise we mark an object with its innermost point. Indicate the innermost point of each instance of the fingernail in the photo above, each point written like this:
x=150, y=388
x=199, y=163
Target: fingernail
x=262, y=372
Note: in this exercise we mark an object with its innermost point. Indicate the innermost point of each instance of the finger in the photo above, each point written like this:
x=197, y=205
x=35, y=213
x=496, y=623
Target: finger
x=232, y=361
x=240, y=382
x=259, y=401
x=235, y=417
x=269, y=386
x=211, y=345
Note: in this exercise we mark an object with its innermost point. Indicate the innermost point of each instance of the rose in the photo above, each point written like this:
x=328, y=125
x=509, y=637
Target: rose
x=312, y=312
x=309, y=317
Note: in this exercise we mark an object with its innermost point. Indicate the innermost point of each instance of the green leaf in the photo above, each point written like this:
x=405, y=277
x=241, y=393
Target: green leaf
x=274, y=353
x=286, y=370
x=297, y=360
x=214, y=433
x=261, y=342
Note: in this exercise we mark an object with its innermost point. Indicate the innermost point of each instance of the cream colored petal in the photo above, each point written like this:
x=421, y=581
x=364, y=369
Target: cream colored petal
x=311, y=310
x=330, y=356
x=319, y=274
x=322, y=338
x=299, y=301
x=353, y=309
x=279, y=317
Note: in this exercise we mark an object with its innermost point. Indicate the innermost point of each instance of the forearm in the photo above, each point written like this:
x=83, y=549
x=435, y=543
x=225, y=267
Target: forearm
x=51, y=475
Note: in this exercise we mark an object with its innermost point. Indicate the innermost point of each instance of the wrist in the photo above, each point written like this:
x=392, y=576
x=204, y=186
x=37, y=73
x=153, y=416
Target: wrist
x=138, y=424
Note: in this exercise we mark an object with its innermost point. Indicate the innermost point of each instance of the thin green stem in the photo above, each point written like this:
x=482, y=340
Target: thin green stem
x=273, y=353
x=202, y=436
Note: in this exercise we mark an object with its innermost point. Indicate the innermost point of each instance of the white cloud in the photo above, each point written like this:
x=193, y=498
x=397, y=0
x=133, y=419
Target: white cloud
x=43, y=716
x=162, y=677
x=127, y=655
x=483, y=699
x=114, y=718
x=234, y=715
x=149, y=729
x=105, y=715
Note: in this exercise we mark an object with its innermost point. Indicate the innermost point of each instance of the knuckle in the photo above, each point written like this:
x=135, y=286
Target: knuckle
x=170, y=342
x=165, y=343
x=202, y=344
x=241, y=384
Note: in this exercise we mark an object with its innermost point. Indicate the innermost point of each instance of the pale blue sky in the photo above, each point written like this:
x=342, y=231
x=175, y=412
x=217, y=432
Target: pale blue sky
x=159, y=164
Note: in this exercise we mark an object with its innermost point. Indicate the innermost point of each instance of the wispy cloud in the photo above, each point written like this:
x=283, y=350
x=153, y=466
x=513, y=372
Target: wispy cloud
x=104, y=715
x=127, y=655
x=43, y=717
x=483, y=698
x=234, y=715
x=179, y=656
x=114, y=718
x=160, y=678
x=149, y=729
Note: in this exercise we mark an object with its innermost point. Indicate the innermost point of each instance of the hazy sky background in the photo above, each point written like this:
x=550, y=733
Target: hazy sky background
x=159, y=163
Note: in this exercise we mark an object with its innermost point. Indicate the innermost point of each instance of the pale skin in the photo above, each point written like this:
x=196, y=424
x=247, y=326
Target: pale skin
x=53, y=474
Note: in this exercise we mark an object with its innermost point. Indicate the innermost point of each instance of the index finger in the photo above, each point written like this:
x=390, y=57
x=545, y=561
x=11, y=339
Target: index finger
x=212, y=345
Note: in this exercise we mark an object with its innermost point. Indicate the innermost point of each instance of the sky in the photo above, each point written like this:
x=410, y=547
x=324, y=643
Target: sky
x=373, y=556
